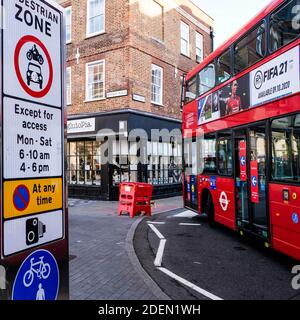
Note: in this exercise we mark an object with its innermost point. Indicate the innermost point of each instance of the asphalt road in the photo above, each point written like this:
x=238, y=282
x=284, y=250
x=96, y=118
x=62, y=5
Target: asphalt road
x=217, y=260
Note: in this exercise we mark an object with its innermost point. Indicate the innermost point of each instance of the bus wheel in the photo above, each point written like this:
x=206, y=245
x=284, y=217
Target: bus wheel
x=211, y=212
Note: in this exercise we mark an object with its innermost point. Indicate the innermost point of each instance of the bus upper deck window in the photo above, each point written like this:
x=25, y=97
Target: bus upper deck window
x=284, y=25
x=207, y=78
x=250, y=49
x=224, y=67
x=191, y=90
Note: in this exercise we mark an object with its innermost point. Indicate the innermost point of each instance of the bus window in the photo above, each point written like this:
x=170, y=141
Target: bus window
x=190, y=156
x=250, y=49
x=191, y=90
x=223, y=67
x=286, y=149
x=284, y=25
x=209, y=154
x=225, y=160
x=207, y=79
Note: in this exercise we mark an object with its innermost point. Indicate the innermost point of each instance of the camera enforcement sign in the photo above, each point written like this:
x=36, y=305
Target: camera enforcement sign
x=32, y=185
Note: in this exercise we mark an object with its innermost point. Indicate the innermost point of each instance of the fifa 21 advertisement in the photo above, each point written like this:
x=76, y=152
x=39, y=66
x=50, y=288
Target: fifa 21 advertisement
x=275, y=79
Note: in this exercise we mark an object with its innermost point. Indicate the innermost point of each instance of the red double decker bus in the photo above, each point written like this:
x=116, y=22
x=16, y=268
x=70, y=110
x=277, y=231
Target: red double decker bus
x=241, y=129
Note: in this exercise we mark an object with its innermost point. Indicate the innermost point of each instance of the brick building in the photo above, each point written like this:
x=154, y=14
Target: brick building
x=125, y=62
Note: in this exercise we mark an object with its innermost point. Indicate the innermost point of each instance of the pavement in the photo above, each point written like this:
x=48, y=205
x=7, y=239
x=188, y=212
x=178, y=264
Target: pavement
x=103, y=264
x=197, y=262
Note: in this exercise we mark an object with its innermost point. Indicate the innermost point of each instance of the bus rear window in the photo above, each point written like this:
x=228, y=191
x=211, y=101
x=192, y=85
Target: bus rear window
x=284, y=25
x=191, y=90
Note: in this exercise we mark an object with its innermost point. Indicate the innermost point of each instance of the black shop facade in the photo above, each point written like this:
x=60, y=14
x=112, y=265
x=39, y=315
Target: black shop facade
x=106, y=149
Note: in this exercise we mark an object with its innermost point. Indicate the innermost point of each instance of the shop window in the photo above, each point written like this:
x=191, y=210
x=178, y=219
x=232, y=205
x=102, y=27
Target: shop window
x=164, y=163
x=84, y=163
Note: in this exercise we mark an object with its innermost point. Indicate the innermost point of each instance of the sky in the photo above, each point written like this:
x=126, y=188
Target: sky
x=230, y=15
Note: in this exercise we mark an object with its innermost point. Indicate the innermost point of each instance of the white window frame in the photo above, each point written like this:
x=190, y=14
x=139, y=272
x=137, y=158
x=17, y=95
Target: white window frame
x=182, y=26
x=160, y=102
x=199, y=37
x=69, y=97
x=70, y=40
x=87, y=98
x=88, y=35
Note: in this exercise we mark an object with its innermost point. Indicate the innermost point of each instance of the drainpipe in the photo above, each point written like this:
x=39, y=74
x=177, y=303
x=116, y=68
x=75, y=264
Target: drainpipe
x=212, y=36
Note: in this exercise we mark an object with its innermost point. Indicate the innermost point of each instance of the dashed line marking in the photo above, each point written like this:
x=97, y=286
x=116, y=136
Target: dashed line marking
x=156, y=231
x=190, y=224
x=156, y=222
x=160, y=253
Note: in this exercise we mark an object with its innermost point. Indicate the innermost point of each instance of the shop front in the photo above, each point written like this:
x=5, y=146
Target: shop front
x=126, y=146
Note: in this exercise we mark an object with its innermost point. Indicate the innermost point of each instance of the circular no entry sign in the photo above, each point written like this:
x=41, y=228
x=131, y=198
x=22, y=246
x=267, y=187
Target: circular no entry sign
x=36, y=58
x=21, y=198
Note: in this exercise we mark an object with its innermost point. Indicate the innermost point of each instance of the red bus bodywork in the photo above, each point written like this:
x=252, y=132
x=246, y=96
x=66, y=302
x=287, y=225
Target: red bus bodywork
x=284, y=233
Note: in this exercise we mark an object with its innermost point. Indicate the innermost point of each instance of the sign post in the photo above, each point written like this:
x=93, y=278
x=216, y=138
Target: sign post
x=34, y=224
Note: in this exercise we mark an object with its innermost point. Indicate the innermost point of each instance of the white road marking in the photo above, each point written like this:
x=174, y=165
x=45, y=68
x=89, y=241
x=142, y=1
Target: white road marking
x=189, y=284
x=159, y=257
x=155, y=230
x=160, y=253
x=154, y=222
x=161, y=248
x=185, y=214
x=190, y=224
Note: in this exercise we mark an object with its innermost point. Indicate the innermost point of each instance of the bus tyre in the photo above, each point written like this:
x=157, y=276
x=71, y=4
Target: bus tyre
x=211, y=212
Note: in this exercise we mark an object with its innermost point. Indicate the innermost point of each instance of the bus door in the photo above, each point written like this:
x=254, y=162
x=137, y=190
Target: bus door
x=250, y=181
x=190, y=174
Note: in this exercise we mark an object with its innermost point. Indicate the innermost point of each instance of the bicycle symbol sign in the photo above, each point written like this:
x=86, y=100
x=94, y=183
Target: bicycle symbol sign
x=37, y=278
x=40, y=269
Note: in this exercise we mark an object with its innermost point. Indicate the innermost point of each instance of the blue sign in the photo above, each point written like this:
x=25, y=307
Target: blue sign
x=243, y=161
x=295, y=218
x=37, y=278
x=254, y=181
x=213, y=183
x=193, y=188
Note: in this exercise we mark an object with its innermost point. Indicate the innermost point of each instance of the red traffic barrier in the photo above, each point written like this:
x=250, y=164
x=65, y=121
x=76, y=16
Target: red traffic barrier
x=135, y=198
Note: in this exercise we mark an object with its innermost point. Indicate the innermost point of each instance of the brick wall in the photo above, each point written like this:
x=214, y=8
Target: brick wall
x=136, y=35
